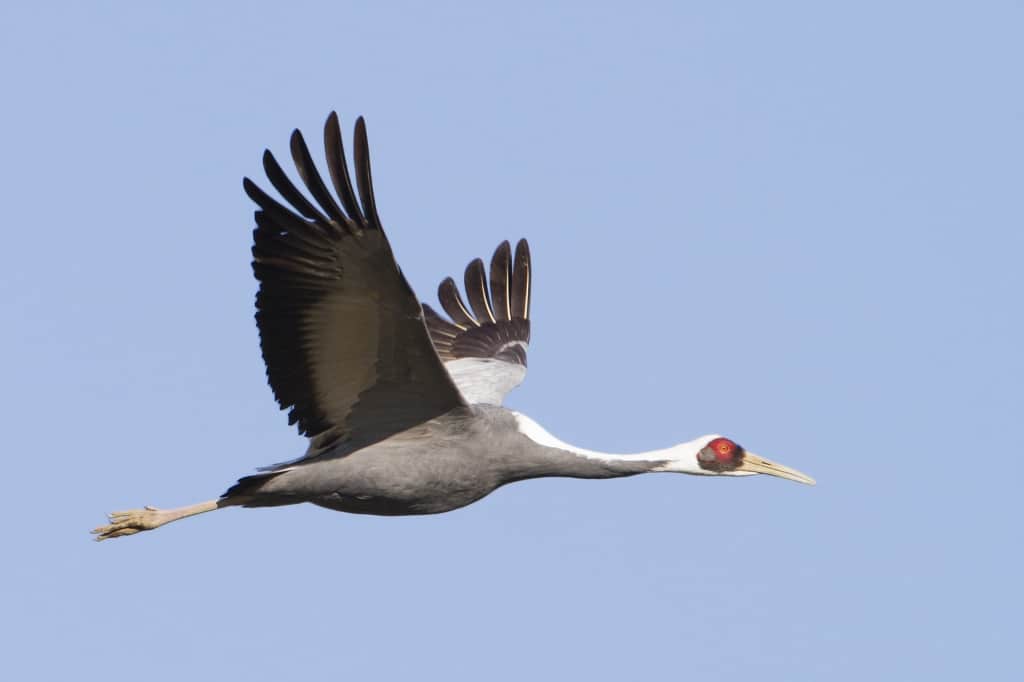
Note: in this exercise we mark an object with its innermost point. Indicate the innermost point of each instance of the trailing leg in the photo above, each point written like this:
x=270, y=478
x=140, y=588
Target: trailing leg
x=137, y=520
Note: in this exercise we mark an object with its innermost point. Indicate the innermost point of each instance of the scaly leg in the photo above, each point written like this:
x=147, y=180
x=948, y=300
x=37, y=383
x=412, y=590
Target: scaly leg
x=138, y=520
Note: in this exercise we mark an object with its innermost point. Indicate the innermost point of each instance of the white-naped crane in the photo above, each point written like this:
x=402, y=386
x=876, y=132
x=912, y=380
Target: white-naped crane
x=402, y=407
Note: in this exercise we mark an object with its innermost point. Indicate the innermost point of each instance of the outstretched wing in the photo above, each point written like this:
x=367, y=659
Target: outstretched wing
x=341, y=331
x=484, y=346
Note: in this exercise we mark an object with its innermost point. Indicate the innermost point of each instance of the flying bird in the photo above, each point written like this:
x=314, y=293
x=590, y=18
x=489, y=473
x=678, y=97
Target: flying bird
x=401, y=405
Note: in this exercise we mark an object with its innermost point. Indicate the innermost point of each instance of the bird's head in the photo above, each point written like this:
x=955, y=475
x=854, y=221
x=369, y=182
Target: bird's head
x=720, y=456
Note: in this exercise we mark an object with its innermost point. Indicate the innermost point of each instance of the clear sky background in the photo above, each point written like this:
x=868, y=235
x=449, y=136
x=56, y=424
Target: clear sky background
x=797, y=224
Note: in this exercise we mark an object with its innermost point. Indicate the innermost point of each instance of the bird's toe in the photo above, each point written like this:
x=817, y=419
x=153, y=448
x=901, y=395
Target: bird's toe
x=128, y=523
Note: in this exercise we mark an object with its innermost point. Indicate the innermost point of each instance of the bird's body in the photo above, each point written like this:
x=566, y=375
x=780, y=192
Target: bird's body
x=443, y=464
x=401, y=406
x=440, y=465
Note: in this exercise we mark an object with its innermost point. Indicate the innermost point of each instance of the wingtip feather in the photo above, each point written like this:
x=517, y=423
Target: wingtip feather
x=521, y=281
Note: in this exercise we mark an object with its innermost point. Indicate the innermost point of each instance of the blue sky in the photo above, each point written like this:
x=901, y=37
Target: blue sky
x=793, y=224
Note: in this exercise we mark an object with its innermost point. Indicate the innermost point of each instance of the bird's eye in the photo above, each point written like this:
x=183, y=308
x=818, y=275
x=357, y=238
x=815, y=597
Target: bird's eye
x=721, y=454
x=723, y=449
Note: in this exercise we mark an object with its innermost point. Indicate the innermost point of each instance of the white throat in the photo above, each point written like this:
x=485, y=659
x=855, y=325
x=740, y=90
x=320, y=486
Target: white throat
x=680, y=458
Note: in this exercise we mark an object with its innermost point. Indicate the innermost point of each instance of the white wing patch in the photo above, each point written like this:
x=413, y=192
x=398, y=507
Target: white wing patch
x=485, y=380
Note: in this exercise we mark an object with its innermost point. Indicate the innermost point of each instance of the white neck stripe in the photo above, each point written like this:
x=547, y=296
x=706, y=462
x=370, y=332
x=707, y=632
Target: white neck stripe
x=680, y=458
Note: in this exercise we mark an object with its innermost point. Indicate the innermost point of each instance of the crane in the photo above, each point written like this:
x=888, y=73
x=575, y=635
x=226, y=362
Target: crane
x=401, y=405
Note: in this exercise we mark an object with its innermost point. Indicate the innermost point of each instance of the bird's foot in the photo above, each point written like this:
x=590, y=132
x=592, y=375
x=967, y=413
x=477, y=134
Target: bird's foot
x=132, y=521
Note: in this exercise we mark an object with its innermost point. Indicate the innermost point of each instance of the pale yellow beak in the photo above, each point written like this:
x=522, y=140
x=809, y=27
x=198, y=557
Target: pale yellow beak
x=759, y=465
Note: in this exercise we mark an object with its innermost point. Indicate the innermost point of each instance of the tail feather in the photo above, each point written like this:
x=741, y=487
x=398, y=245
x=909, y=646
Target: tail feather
x=248, y=492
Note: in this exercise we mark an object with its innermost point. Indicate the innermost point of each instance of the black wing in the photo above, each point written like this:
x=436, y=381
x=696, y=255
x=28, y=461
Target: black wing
x=484, y=345
x=341, y=331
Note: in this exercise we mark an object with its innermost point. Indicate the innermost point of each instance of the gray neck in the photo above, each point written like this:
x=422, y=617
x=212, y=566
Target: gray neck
x=541, y=454
x=533, y=460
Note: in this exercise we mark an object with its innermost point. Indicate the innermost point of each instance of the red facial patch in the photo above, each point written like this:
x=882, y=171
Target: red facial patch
x=723, y=448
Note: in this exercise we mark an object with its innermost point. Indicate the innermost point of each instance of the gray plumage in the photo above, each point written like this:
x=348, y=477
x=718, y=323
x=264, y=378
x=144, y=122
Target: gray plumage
x=440, y=465
x=400, y=405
